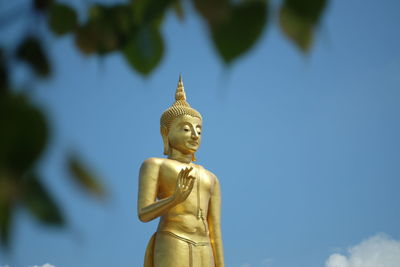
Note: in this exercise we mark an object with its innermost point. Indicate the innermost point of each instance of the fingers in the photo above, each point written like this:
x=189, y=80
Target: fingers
x=184, y=175
x=191, y=183
x=179, y=182
x=185, y=183
x=190, y=179
x=186, y=179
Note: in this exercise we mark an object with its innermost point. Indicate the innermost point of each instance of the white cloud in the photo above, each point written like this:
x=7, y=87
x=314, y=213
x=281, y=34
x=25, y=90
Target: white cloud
x=45, y=265
x=267, y=262
x=377, y=251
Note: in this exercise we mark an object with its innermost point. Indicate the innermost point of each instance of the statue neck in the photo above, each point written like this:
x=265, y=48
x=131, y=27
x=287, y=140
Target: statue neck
x=179, y=156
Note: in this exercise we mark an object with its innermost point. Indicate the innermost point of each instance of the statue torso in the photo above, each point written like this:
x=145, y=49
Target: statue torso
x=188, y=219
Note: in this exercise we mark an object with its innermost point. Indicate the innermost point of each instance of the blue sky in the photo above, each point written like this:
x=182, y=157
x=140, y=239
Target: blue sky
x=306, y=147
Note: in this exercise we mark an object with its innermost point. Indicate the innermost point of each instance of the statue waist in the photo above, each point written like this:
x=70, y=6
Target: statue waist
x=184, y=239
x=195, y=230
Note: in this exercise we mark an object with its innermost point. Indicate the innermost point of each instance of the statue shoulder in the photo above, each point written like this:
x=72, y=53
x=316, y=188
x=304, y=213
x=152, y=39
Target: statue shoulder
x=152, y=163
x=210, y=174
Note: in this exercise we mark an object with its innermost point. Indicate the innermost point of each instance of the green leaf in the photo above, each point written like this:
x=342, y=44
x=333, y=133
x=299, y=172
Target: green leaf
x=310, y=9
x=30, y=51
x=107, y=29
x=145, y=50
x=86, y=39
x=117, y=18
x=298, y=20
x=97, y=37
x=104, y=37
x=23, y=134
x=3, y=74
x=62, y=19
x=83, y=177
x=42, y=4
x=120, y=17
x=40, y=203
x=213, y=11
x=177, y=5
x=240, y=30
x=297, y=29
x=5, y=222
x=150, y=11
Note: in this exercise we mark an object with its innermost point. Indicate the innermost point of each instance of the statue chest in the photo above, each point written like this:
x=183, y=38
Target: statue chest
x=169, y=174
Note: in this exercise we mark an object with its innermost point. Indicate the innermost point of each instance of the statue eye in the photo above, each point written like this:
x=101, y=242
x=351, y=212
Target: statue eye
x=186, y=129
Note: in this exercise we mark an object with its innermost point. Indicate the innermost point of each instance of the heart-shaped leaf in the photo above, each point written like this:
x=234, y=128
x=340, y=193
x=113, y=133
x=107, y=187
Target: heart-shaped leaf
x=145, y=50
x=298, y=20
x=23, y=134
x=84, y=177
x=31, y=51
x=40, y=203
x=5, y=220
x=62, y=19
x=240, y=30
x=213, y=11
x=3, y=74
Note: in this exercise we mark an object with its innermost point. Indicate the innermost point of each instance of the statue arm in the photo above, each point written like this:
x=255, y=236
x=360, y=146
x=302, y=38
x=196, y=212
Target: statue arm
x=214, y=223
x=148, y=206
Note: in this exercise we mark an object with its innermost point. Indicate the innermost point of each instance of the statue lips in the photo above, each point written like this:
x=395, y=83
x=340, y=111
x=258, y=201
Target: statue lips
x=193, y=143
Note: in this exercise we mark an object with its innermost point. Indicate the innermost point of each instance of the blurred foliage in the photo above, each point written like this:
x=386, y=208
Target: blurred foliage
x=145, y=49
x=134, y=29
x=24, y=134
x=30, y=51
x=62, y=19
x=85, y=178
x=240, y=28
x=23, y=138
x=39, y=202
x=298, y=20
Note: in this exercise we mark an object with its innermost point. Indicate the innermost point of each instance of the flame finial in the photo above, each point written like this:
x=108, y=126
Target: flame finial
x=180, y=90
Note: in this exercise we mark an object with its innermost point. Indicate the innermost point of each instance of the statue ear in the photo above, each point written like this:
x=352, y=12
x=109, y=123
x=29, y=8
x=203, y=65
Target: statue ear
x=164, y=134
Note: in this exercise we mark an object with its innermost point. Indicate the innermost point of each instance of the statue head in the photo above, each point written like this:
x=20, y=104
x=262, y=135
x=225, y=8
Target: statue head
x=180, y=125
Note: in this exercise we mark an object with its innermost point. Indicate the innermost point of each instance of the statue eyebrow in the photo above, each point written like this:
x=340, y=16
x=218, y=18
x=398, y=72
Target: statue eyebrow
x=184, y=123
x=189, y=124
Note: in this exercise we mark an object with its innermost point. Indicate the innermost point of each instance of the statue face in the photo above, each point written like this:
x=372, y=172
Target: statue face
x=184, y=134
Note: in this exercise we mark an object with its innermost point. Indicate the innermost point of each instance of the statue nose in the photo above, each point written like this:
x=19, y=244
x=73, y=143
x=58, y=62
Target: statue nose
x=195, y=136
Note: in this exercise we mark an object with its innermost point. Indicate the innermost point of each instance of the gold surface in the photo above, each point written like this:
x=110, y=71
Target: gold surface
x=185, y=196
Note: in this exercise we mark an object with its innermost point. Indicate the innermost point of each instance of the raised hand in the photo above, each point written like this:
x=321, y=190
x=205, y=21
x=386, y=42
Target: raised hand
x=184, y=184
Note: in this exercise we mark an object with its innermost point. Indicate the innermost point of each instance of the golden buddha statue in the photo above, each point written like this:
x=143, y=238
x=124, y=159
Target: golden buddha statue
x=184, y=195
